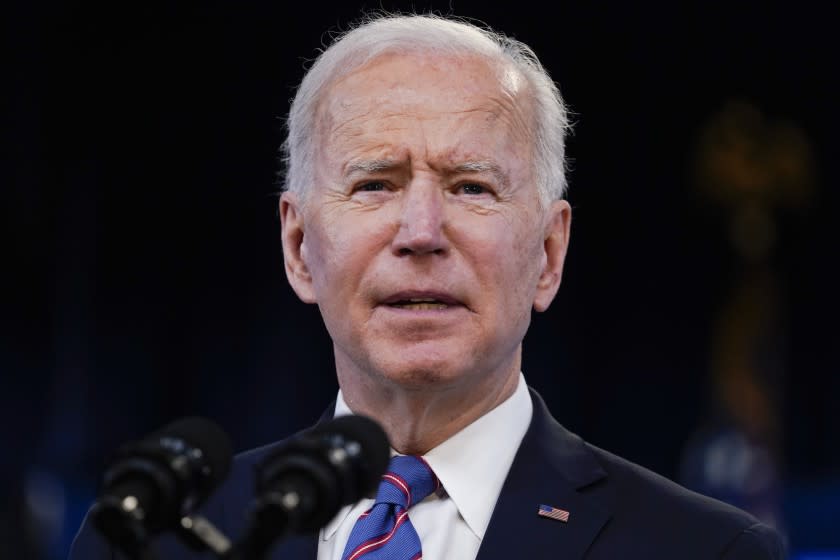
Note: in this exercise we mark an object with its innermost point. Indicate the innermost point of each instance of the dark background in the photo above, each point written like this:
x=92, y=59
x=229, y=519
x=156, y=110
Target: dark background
x=143, y=279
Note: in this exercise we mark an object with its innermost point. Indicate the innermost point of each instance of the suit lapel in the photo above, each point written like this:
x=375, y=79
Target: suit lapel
x=551, y=467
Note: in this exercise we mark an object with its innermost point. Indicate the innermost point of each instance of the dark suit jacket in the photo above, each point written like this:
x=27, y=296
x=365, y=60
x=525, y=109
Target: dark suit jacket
x=617, y=510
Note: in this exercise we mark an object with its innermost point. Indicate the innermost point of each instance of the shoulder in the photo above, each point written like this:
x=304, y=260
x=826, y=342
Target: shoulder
x=633, y=487
x=644, y=514
x=649, y=508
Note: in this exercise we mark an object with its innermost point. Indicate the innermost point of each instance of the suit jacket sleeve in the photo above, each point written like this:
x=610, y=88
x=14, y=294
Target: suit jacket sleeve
x=757, y=542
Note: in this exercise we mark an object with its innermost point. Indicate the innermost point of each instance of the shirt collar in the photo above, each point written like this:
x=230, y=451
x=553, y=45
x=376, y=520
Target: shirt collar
x=471, y=465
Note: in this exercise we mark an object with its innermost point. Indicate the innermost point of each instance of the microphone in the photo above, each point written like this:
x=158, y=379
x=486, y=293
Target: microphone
x=303, y=484
x=152, y=483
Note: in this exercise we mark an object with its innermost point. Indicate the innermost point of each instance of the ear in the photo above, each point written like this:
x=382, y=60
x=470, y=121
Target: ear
x=555, y=244
x=294, y=247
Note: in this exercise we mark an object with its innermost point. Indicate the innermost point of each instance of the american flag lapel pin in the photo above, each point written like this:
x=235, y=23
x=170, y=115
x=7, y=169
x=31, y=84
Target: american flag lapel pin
x=553, y=513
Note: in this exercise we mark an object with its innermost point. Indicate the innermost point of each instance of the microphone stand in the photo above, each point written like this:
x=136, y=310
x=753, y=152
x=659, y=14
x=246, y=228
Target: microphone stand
x=272, y=517
x=198, y=533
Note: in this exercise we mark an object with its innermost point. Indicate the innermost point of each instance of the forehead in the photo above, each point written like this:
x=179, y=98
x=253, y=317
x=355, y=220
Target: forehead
x=457, y=73
x=459, y=104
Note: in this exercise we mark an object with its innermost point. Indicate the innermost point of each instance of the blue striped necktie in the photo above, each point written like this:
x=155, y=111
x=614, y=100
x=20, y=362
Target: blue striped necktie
x=384, y=532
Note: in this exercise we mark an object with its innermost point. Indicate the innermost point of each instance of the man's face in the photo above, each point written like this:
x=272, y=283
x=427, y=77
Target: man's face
x=422, y=239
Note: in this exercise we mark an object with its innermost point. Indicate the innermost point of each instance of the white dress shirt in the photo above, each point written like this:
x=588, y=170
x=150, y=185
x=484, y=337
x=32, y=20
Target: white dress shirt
x=472, y=466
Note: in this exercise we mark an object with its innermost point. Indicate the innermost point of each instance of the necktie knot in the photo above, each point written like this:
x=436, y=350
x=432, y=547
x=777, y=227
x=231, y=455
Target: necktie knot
x=385, y=531
x=408, y=481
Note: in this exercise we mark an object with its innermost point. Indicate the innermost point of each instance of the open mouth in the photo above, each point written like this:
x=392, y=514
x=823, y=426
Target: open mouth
x=419, y=304
x=421, y=300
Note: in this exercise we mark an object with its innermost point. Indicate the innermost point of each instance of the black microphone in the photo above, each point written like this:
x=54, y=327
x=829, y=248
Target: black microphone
x=152, y=483
x=303, y=484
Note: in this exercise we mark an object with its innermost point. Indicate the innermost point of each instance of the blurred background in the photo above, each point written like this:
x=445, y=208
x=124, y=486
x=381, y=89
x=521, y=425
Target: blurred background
x=695, y=332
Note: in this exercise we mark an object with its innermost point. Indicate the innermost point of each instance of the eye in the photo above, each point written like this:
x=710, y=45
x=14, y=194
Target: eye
x=473, y=189
x=371, y=186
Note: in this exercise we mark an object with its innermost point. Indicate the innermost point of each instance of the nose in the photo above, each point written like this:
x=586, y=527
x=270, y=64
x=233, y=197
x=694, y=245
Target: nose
x=422, y=222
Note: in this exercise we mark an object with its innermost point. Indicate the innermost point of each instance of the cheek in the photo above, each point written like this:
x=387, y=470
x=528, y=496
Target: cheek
x=342, y=251
x=322, y=256
x=518, y=268
x=503, y=261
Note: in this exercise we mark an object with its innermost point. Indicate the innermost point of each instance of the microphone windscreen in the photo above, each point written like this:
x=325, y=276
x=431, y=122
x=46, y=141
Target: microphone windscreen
x=151, y=483
x=206, y=436
x=376, y=450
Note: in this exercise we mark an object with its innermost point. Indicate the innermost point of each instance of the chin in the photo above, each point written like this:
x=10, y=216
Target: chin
x=423, y=373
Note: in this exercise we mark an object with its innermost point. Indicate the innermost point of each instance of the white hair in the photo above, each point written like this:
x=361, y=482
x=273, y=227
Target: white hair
x=385, y=33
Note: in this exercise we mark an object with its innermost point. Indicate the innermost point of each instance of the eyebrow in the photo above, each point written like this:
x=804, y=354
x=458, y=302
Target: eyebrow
x=482, y=166
x=364, y=166
x=369, y=166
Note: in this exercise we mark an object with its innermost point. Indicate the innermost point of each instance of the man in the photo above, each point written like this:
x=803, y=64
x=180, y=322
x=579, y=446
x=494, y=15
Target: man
x=424, y=215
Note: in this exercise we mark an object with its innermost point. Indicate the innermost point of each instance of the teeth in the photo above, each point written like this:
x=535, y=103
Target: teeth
x=423, y=305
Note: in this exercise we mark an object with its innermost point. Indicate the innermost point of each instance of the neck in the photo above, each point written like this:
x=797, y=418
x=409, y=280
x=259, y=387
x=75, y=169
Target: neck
x=418, y=419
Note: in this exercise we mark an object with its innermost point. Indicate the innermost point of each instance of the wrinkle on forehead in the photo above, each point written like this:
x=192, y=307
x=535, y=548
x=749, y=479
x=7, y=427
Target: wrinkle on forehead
x=466, y=86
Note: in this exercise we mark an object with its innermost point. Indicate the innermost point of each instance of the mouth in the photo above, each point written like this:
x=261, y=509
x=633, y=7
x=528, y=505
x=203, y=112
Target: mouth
x=421, y=301
x=417, y=304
